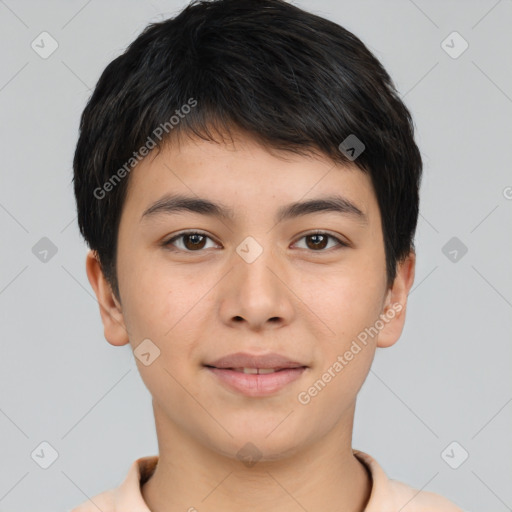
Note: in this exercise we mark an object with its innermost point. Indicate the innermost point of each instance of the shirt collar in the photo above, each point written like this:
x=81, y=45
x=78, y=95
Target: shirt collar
x=128, y=496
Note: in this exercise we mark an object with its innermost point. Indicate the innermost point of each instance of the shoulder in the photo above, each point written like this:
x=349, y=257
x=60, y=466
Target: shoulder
x=392, y=496
x=409, y=499
x=103, y=501
x=127, y=497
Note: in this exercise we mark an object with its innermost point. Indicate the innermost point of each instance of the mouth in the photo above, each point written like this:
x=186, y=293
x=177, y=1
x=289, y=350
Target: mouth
x=256, y=382
x=257, y=371
x=255, y=375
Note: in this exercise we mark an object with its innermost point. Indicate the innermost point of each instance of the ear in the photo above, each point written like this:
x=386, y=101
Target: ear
x=393, y=314
x=110, y=309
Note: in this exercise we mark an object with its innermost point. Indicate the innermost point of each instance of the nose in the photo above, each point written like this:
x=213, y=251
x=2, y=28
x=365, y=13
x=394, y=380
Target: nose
x=256, y=294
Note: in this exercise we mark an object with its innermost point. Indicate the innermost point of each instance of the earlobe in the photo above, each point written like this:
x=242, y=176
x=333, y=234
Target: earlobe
x=393, y=315
x=110, y=310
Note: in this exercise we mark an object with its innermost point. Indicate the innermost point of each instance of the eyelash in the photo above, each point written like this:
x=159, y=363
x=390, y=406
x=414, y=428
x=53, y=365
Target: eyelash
x=169, y=243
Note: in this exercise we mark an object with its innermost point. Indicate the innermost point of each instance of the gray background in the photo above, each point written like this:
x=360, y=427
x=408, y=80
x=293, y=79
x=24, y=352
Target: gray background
x=448, y=378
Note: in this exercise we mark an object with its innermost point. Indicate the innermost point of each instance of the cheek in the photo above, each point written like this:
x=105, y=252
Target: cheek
x=160, y=306
x=351, y=300
x=148, y=286
x=167, y=303
x=347, y=355
x=350, y=308
x=156, y=304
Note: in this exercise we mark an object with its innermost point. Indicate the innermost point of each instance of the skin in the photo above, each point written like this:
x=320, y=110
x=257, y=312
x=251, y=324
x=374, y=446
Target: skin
x=305, y=302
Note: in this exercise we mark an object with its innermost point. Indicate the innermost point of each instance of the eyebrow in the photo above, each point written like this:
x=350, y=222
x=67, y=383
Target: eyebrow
x=176, y=203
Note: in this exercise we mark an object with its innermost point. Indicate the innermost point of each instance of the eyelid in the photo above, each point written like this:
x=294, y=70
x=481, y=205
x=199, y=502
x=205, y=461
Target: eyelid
x=339, y=240
x=334, y=236
x=168, y=242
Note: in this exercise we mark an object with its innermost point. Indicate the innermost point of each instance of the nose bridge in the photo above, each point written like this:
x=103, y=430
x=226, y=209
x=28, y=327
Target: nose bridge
x=256, y=264
x=257, y=291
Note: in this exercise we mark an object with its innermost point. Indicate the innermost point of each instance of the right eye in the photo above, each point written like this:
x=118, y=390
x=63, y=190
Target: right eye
x=193, y=241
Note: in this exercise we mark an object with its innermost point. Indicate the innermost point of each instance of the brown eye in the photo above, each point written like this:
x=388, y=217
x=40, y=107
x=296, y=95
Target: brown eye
x=317, y=242
x=195, y=241
x=191, y=241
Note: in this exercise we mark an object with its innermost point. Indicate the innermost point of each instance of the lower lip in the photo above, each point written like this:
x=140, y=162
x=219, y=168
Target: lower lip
x=252, y=384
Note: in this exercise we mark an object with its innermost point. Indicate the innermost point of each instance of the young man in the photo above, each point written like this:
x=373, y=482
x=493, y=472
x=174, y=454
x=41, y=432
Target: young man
x=247, y=180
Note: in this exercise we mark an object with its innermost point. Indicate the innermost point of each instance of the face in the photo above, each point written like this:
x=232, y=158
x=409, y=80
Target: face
x=263, y=278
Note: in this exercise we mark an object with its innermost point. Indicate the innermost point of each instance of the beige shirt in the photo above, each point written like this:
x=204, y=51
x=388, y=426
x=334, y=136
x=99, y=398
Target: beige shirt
x=386, y=496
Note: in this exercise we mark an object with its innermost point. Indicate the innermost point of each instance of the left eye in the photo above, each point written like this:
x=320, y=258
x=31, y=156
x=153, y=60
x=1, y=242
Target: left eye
x=195, y=241
x=319, y=240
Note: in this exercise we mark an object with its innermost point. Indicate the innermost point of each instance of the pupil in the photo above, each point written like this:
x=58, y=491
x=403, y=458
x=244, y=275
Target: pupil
x=194, y=240
x=315, y=244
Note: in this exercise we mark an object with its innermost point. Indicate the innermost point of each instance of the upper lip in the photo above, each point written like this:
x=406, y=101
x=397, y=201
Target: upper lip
x=243, y=360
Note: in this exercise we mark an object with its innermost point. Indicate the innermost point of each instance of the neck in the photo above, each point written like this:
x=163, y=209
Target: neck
x=190, y=475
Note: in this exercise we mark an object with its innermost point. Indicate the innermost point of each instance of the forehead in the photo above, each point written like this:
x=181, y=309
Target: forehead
x=240, y=175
